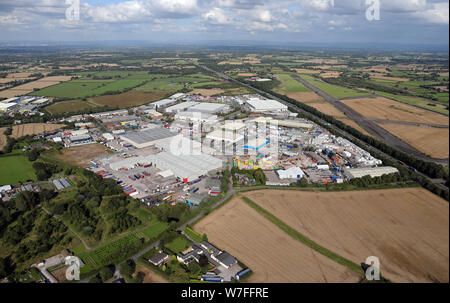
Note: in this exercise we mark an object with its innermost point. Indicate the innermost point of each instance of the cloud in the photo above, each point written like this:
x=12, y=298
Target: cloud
x=129, y=11
x=437, y=13
x=217, y=16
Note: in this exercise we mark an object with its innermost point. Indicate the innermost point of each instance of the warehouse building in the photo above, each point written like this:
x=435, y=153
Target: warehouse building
x=80, y=139
x=370, y=171
x=7, y=106
x=179, y=145
x=186, y=167
x=209, y=108
x=146, y=138
x=163, y=103
x=196, y=117
x=265, y=105
x=227, y=136
x=181, y=107
x=291, y=173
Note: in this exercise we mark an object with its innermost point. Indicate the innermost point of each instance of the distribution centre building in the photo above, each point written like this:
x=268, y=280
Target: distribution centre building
x=370, y=171
x=146, y=138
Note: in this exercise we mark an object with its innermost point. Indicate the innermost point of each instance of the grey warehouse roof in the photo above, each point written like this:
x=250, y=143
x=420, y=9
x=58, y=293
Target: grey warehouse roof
x=226, y=258
x=141, y=137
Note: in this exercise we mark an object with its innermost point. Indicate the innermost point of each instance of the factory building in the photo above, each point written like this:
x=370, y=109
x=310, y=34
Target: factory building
x=179, y=145
x=227, y=136
x=180, y=107
x=163, y=103
x=146, y=138
x=291, y=173
x=7, y=106
x=370, y=171
x=196, y=117
x=265, y=105
x=209, y=108
x=80, y=139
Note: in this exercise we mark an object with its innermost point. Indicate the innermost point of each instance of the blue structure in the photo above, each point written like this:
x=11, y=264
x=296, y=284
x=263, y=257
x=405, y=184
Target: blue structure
x=257, y=147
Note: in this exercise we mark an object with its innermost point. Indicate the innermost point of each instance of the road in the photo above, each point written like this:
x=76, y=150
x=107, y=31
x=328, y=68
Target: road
x=367, y=146
x=369, y=124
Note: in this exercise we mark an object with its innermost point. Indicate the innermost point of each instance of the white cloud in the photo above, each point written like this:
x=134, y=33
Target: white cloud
x=437, y=13
x=217, y=16
x=129, y=11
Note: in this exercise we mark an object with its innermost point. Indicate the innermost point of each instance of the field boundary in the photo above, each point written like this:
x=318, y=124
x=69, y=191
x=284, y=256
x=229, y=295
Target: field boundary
x=303, y=239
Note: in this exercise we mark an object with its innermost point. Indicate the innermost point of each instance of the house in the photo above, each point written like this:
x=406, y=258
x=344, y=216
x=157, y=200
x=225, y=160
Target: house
x=159, y=258
x=192, y=255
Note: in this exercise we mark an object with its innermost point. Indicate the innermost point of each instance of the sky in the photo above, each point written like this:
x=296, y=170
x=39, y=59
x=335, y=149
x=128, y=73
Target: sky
x=189, y=21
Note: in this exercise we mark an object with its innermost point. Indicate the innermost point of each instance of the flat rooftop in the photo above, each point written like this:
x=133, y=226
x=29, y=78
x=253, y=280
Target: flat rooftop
x=144, y=136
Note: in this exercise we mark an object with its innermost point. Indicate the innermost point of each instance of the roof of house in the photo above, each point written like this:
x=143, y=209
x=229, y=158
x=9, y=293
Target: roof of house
x=226, y=258
x=159, y=257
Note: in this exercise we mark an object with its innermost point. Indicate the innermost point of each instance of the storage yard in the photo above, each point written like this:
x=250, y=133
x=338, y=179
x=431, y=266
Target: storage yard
x=272, y=255
x=389, y=224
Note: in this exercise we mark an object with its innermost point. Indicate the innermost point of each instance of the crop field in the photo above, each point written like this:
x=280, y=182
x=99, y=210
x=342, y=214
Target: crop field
x=419, y=102
x=33, y=129
x=407, y=229
x=81, y=155
x=207, y=92
x=130, y=98
x=429, y=140
x=333, y=90
x=15, y=169
x=68, y=106
x=272, y=254
x=110, y=253
x=385, y=109
x=149, y=276
x=29, y=87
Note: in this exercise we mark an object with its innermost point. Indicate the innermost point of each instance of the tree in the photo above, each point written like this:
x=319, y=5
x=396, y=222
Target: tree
x=106, y=273
x=203, y=261
x=127, y=268
x=5, y=267
x=205, y=237
x=194, y=268
x=95, y=279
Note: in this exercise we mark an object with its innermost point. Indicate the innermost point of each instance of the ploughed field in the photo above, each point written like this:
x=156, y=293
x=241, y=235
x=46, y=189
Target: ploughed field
x=407, y=229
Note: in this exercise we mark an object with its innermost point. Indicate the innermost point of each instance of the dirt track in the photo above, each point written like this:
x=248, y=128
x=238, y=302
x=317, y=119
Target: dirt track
x=407, y=229
x=269, y=252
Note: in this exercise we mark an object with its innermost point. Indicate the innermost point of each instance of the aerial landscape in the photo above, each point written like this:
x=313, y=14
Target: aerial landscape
x=215, y=163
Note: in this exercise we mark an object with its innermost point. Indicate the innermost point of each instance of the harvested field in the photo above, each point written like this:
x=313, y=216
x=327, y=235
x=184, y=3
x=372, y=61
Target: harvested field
x=131, y=98
x=327, y=109
x=230, y=63
x=306, y=71
x=82, y=155
x=330, y=75
x=149, y=276
x=19, y=75
x=385, y=109
x=33, y=129
x=391, y=78
x=429, y=140
x=207, y=92
x=246, y=75
x=2, y=138
x=355, y=125
x=407, y=229
x=269, y=252
x=29, y=87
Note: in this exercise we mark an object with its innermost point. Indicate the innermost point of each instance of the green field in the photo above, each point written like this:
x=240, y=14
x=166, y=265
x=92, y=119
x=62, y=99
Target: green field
x=290, y=85
x=176, y=83
x=178, y=245
x=15, y=169
x=419, y=102
x=193, y=234
x=155, y=230
x=337, y=92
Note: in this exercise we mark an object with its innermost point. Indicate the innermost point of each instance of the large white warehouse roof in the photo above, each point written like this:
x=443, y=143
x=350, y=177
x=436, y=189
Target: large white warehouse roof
x=266, y=105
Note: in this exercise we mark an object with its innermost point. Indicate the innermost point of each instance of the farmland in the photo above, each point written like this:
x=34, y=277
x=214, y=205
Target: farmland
x=429, y=140
x=130, y=98
x=272, y=254
x=389, y=224
x=2, y=138
x=30, y=86
x=289, y=85
x=417, y=101
x=14, y=169
x=385, y=109
x=33, y=129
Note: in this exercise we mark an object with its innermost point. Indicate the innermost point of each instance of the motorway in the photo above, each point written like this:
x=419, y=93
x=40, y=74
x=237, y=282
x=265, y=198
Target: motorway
x=369, y=124
x=367, y=146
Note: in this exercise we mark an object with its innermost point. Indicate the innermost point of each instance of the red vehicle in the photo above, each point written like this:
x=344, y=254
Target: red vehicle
x=146, y=173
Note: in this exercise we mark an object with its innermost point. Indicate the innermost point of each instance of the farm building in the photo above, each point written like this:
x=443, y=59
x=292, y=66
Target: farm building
x=61, y=183
x=370, y=171
x=291, y=173
x=7, y=106
x=146, y=138
x=265, y=105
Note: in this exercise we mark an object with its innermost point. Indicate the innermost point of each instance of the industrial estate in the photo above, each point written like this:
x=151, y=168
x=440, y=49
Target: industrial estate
x=219, y=167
